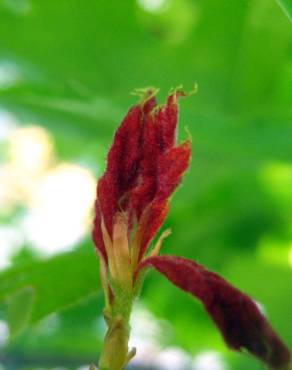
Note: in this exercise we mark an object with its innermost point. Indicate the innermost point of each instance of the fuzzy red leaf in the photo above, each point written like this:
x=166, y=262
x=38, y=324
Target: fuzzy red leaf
x=146, y=187
x=171, y=166
x=238, y=318
x=123, y=157
x=122, y=165
x=166, y=118
x=151, y=220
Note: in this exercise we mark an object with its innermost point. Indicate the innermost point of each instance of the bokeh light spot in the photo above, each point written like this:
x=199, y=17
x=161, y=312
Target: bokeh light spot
x=10, y=242
x=8, y=123
x=277, y=178
x=153, y=6
x=60, y=209
x=173, y=358
x=30, y=148
x=274, y=251
x=9, y=75
x=208, y=361
x=4, y=333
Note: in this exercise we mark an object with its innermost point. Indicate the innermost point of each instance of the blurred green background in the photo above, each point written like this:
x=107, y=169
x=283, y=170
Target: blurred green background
x=66, y=72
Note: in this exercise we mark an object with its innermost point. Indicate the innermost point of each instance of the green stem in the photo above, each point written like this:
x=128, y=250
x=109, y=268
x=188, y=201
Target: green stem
x=115, y=352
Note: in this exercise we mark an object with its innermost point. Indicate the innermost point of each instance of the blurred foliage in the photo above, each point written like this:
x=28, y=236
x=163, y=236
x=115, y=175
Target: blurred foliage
x=287, y=7
x=42, y=287
x=70, y=66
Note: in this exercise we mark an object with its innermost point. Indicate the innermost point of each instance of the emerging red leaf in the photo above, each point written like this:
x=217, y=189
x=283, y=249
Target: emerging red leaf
x=143, y=169
x=122, y=166
x=172, y=164
x=167, y=118
x=238, y=318
x=151, y=220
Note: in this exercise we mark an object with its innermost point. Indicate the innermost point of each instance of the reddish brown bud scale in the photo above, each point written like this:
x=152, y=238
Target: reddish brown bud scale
x=238, y=318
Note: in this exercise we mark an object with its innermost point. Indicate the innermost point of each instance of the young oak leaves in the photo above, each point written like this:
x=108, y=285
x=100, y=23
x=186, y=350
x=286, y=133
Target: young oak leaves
x=144, y=167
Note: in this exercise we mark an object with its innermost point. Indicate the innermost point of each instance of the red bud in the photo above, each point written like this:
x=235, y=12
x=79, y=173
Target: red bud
x=143, y=169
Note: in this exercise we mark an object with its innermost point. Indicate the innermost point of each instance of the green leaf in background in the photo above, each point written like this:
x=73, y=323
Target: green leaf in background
x=20, y=307
x=286, y=5
x=39, y=288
